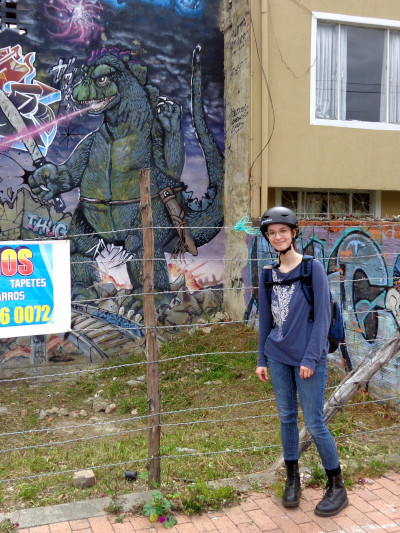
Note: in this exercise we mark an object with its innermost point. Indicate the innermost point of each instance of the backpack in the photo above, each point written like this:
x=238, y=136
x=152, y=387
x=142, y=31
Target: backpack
x=336, y=333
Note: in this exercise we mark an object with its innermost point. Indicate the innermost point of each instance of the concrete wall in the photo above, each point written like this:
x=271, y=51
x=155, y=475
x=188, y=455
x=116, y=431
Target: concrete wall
x=131, y=63
x=237, y=32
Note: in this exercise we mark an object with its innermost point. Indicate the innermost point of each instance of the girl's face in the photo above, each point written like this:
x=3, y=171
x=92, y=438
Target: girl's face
x=280, y=236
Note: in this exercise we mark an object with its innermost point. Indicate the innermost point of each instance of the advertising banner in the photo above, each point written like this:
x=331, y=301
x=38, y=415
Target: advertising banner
x=35, y=288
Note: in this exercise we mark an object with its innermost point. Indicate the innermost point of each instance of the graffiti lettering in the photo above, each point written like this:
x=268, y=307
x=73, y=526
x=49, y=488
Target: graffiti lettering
x=64, y=77
x=32, y=98
x=45, y=226
x=238, y=117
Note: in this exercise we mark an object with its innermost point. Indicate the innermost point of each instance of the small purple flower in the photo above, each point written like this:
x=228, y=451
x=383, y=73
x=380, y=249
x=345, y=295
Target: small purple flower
x=162, y=519
x=361, y=480
x=102, y=495
x=386, y=417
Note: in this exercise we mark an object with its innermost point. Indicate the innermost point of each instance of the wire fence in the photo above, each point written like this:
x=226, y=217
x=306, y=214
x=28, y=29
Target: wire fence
x=192, y=428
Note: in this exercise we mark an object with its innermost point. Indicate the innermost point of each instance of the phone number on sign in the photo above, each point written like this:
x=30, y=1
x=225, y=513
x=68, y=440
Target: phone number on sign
x=29, y=314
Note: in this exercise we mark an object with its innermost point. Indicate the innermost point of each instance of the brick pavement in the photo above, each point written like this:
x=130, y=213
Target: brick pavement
x=374, y=506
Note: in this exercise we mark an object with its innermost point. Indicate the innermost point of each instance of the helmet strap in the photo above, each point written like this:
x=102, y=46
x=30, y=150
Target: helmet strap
x=282, y=253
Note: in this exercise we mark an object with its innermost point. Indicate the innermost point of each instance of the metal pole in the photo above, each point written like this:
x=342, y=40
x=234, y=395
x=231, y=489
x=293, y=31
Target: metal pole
x=153, y=376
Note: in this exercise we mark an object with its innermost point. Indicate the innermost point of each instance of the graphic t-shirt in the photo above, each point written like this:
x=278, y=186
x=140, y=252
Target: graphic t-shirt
x=287, y=334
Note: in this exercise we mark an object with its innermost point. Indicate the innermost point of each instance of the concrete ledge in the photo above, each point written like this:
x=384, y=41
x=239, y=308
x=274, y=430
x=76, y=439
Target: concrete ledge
x=64, y=512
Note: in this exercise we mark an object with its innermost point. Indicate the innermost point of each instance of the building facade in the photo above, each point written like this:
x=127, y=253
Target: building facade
x=312, y=93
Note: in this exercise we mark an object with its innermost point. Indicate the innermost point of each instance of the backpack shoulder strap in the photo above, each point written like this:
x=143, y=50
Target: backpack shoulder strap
x=267, y=277
x=306, y=282
x=268, y=283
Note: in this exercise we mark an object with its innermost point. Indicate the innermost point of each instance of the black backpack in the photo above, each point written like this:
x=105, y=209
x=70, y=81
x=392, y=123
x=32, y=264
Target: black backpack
x=336, y=334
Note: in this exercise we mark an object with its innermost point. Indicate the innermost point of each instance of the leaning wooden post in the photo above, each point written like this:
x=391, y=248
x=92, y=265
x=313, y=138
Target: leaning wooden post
x=344, y=392
x=153, y=375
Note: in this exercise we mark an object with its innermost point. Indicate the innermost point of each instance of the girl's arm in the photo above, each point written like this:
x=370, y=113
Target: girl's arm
x=265, y=320
x=318, y=343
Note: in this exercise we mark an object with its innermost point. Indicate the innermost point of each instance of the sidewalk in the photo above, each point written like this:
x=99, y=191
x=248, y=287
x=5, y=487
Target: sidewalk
x=374, y=506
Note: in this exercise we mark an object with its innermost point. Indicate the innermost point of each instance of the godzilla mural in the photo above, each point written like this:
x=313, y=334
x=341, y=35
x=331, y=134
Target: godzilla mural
x=140, y=130
x=91, y=93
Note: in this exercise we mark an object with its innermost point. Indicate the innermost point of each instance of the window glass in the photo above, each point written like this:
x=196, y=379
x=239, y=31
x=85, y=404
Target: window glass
x=316, y=203
x=361, y=203
x=365, y=53
x=289, y=199
x=327, y=203
x=357, y=73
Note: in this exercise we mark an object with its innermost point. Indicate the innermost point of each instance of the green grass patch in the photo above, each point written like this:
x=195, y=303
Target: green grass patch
x=210, y=428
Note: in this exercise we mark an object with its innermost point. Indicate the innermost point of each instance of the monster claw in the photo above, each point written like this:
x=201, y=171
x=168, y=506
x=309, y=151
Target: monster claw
x=45, y=188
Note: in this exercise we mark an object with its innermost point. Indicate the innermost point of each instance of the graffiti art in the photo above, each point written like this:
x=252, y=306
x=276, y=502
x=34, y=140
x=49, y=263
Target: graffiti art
x=91, y=93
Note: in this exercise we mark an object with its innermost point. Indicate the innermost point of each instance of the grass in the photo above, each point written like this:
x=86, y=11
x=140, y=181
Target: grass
x=198, y=435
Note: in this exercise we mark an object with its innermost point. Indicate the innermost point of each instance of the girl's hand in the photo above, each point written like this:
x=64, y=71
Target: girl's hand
x=305, y=372
x=262, y=373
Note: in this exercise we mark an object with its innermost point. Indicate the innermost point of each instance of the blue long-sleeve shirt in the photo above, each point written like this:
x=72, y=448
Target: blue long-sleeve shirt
x=294, y=340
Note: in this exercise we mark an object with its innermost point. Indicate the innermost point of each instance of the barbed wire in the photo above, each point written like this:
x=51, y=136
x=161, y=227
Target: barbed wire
x=186, y=455
x=218, y=289
x=146, y=363
x=163, y=425
x=140, y=417
x=245, y=225
x=225, y=259
x=310, y=225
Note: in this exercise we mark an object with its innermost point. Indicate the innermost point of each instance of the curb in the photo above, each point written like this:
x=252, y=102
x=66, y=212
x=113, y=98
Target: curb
x=79, y=510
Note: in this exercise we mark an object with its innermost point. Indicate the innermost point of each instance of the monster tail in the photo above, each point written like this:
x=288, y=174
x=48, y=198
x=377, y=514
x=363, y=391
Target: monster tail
x=205, y=216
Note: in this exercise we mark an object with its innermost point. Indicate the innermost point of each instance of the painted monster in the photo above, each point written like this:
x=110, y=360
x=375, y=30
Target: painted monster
x=140, y=130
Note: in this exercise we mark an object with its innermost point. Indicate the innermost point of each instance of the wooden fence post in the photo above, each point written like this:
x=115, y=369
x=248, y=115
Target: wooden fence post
x=153, y=374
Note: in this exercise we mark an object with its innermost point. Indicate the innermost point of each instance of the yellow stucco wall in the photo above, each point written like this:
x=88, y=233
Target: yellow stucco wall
x=390, y=204
x=300, y=154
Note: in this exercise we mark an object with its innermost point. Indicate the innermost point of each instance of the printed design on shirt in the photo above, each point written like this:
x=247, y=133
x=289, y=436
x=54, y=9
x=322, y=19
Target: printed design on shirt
x=280, y=304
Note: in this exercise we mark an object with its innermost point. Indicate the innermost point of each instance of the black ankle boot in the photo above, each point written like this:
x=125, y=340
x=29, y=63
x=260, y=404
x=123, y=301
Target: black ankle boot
x=335, y=497
x=291, y=496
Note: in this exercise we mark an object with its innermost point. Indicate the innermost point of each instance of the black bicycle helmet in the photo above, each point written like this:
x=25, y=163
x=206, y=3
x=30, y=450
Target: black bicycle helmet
x=278, y=215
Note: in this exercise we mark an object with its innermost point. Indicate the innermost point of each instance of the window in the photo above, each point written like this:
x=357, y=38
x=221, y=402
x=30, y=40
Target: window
x=9, y=17
x=355, y=78
x=327, y=203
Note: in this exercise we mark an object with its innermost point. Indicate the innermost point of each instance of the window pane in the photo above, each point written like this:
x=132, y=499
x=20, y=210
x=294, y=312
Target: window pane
x=365, y=52
x=394, y=77
x=361, y=203
x=326, y=98
x=289, y=199
x=316, y=203
x=339, y=204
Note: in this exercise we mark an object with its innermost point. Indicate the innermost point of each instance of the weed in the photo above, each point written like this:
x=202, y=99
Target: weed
x=375, y=467
x=125, y=405
x=202, y=497
x=27, y=492
x=318, y=475
x=120, y=519
x=159, y=510
x=279, y=488
x=6, y=526
x=114, y=507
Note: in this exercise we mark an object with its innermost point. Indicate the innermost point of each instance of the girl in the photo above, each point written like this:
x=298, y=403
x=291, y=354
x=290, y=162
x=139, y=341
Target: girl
x=295, y=349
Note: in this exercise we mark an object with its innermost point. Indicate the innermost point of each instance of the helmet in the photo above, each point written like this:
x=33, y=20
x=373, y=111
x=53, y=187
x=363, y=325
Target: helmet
x=278, y=215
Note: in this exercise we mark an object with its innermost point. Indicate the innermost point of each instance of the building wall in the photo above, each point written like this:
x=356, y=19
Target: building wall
x=240, y=115
x=133, y=61
x=300, y=154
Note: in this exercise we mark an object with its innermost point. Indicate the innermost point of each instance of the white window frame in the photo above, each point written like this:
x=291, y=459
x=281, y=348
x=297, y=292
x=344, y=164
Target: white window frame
x=355, y=21
x=375, y=197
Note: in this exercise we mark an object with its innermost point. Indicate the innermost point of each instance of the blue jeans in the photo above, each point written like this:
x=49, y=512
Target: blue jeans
x=286, y=382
